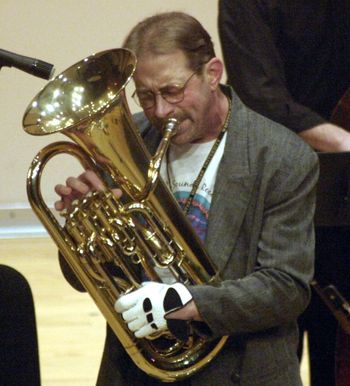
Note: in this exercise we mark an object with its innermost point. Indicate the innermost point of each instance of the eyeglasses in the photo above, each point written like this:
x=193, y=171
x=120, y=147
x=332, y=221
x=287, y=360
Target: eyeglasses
x=171, y=93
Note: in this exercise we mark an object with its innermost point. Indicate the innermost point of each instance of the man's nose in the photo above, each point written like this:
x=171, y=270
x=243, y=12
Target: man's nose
x=163, y=109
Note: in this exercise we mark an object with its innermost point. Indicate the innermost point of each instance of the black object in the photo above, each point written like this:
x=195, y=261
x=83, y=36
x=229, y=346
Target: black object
x=19, y=351
x=33, y=66
x=333, y=210
x=333, y=190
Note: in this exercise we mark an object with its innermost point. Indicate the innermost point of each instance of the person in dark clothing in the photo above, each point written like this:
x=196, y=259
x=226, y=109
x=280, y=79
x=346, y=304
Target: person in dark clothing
x=290, y=61
x=19, y=354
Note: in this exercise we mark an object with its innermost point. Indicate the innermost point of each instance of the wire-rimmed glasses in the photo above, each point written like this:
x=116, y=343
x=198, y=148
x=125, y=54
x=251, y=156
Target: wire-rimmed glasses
x=172, y=93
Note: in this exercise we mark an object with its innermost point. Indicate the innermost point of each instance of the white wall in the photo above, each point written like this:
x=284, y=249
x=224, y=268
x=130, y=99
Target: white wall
x=62, y=32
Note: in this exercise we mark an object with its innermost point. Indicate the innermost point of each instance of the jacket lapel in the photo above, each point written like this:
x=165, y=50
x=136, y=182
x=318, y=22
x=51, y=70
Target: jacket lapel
x=227, y=210
x=233, y=189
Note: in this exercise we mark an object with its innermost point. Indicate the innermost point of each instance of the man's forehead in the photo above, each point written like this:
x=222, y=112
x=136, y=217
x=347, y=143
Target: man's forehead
x=158, y=71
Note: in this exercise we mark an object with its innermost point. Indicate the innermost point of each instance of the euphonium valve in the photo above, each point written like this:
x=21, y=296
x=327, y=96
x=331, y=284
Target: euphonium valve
x=112, y=244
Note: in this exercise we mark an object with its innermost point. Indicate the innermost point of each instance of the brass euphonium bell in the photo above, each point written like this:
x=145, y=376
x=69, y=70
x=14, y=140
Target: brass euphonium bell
x=111, y=244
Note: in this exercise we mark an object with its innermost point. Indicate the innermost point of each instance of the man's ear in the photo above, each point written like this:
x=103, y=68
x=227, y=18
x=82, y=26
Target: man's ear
x=214, y=70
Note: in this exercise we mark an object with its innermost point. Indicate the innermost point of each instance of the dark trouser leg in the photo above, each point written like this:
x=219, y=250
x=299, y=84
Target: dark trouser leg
x=117, y=369
x=343, y=359
x=321, y=328
x=332, y=266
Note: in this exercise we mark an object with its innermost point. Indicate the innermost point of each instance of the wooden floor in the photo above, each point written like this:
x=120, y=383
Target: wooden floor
x=70, y=328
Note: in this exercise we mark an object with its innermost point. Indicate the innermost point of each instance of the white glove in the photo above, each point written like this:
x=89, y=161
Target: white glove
x=144, y=309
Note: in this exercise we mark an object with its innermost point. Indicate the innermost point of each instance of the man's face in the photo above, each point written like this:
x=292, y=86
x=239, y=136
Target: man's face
x=155, y=73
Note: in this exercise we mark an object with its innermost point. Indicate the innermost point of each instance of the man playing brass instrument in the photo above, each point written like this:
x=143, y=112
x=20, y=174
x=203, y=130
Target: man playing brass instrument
x=248, y=186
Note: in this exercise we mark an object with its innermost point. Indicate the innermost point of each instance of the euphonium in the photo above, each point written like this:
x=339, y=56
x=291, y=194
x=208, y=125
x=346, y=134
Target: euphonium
x=113, y=244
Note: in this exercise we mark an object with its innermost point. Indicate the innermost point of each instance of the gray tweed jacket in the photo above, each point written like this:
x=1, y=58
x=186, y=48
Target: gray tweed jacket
x=260, y=236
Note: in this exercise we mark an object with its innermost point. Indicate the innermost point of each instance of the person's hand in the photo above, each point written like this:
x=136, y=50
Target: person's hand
x=327, y=137
x=145, y=310
x=78, y=187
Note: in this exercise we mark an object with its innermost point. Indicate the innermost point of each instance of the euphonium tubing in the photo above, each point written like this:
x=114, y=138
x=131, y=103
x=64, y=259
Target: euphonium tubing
x=113, y=244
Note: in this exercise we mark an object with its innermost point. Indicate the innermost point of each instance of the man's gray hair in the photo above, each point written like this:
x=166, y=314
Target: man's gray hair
x=168, y=32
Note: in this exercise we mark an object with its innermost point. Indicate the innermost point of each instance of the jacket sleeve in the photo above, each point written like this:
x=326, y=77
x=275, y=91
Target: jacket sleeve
x=248, y=31
x=276, y=290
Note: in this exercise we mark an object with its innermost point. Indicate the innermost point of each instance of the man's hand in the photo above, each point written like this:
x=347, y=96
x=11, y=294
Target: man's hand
x=78, y=187
x=145, y=310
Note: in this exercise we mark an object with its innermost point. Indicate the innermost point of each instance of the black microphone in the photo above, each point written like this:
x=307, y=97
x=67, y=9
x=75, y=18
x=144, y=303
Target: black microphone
x=33, y=66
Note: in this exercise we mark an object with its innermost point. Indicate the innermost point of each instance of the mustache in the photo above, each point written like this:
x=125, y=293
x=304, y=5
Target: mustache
x=159, y=123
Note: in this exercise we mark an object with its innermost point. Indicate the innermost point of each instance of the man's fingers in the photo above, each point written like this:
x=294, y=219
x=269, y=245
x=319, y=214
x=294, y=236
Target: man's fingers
x=91, y=179
x=63, y=190
x=64, y=203
x=137, y=324
x=78, y=187
x=65, y=193
x=59, y=205
x=126, y=302
x=117, y=192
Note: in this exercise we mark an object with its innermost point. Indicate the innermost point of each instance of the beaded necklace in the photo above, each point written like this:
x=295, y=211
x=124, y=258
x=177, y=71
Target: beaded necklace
x=206, y=162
